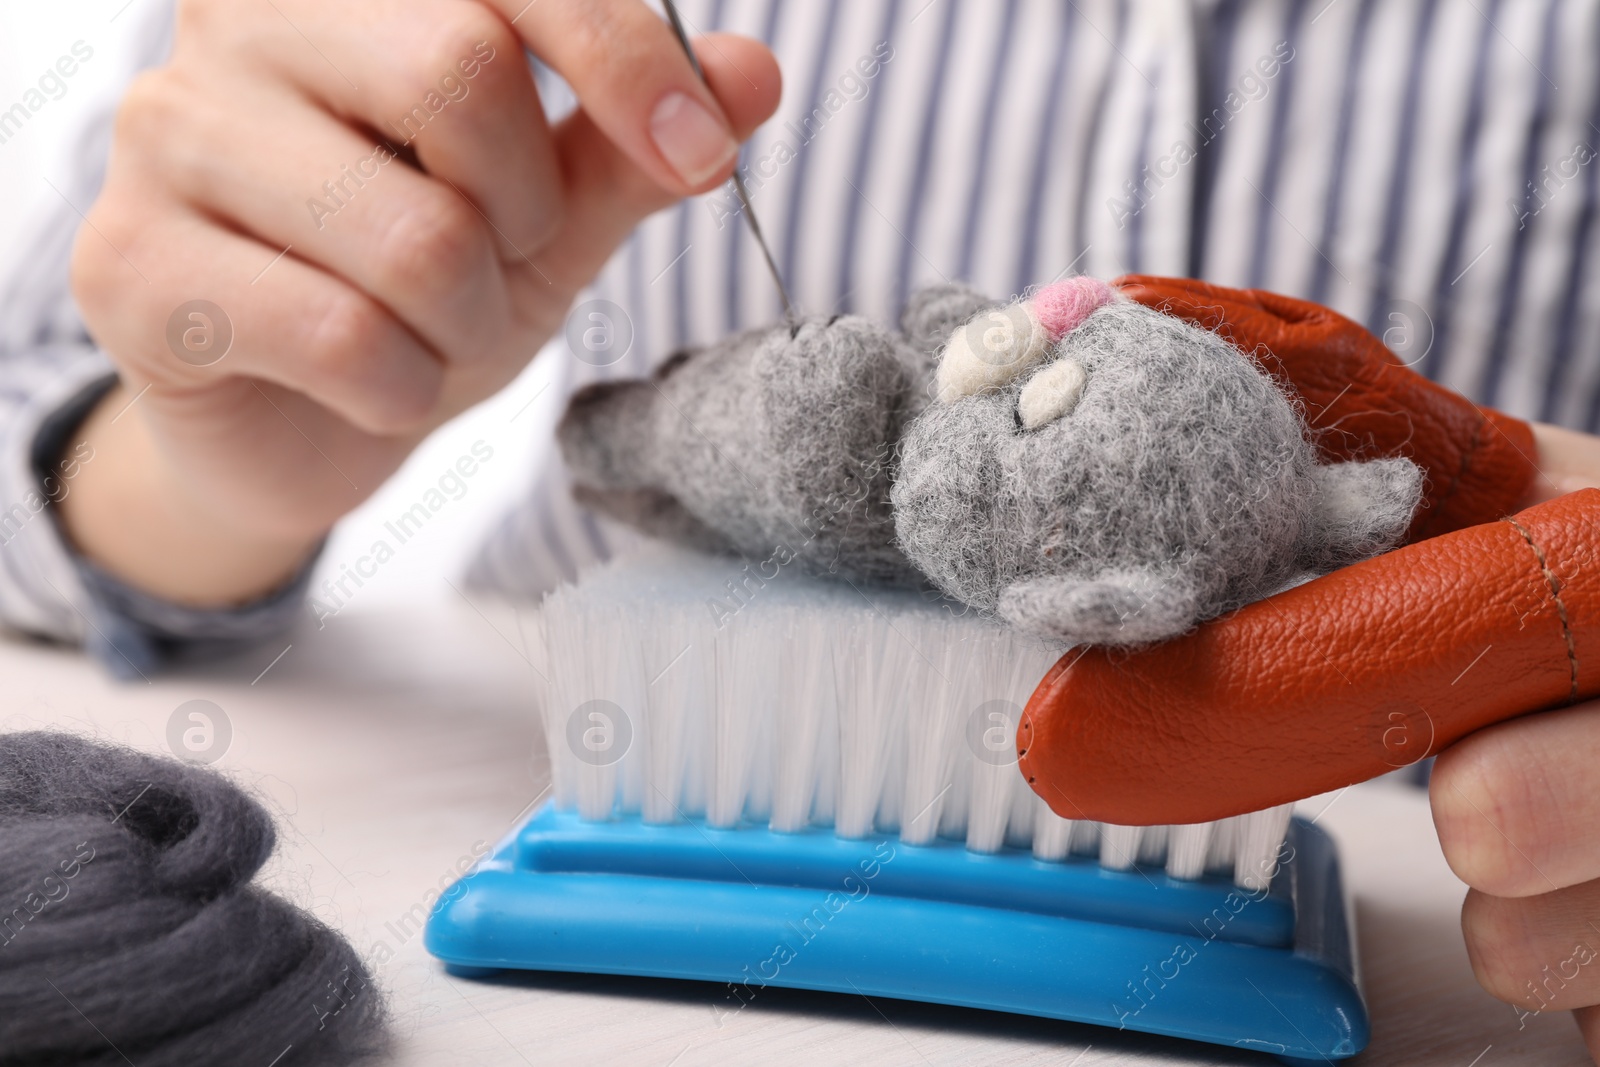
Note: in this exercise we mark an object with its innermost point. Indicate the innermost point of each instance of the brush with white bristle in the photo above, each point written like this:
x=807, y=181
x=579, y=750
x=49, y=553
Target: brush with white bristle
x=679, y=686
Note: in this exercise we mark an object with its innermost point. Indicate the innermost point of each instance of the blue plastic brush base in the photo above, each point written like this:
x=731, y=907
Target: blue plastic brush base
x=1069, y=940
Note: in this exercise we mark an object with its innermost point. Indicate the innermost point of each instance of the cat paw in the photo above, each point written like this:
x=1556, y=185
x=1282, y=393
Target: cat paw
x=1118, y=608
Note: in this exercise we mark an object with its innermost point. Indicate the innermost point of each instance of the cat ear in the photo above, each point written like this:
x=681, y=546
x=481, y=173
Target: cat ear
x=932, y=314
x=606, y=434
x=1120, y=607
x=1359, y=510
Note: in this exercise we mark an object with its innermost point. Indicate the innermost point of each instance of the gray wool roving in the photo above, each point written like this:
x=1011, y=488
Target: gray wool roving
x=1176, y=484
x=129, y=930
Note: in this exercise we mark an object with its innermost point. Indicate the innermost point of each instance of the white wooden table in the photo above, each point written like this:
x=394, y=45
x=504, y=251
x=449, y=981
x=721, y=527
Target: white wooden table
x=394, y=743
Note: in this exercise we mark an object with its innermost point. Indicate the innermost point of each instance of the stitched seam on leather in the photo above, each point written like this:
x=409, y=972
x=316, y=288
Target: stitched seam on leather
x=1561, y=608
x=1461, y=474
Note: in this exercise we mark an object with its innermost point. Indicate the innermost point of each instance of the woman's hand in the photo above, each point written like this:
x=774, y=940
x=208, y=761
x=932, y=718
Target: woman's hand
x=368, y=198
x=1517, y=807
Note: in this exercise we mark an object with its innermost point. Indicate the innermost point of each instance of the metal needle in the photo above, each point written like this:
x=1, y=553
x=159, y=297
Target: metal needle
x=789, y=313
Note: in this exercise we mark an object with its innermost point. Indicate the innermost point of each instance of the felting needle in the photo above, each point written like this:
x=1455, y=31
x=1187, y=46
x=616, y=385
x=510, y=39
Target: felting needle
x=738, y=181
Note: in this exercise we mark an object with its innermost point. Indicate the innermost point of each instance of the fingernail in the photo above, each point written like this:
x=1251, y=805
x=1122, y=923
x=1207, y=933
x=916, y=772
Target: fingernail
x=691, y=138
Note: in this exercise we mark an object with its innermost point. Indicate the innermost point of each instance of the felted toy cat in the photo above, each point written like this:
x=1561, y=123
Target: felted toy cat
x=776, y=443
x=1084, y=467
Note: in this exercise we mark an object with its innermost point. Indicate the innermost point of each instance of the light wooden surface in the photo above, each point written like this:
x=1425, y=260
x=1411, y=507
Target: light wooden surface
x=393, y=744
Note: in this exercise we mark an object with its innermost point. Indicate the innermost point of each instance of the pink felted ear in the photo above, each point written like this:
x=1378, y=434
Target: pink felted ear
x=1062, y=306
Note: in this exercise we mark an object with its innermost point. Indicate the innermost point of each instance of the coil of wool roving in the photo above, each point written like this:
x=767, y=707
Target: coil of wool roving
x=130, y=931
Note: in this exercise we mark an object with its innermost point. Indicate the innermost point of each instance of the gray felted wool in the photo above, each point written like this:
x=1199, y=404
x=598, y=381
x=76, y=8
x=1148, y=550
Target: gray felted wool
x=127, y=920
x=929, y=317
x=1164, y=480
x=1181, y=485
x=775, y=444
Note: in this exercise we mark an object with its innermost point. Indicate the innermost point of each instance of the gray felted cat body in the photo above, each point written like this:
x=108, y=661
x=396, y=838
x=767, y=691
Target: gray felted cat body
x=775, y=444
x=1106, y=475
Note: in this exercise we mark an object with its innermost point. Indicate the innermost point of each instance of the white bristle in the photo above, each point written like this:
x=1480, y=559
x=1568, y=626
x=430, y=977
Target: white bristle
x=825, y=802
x=1224, y=843
x=1052, y=835
x=932, y=736
x=1153, y=846
x=1020, y=828
x=1119, y=846
x=873, y=661
x=677, y=686
x=807, y=677
x=1187, y=849
x=958, y=801
x=999, y=802
x=675, y=690
x=989, y=806
x=737, y=716
x=1086, y=839
x=601, y=680
x=1260, y=839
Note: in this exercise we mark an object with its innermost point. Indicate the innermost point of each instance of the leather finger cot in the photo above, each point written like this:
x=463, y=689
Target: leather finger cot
x=1330, y=683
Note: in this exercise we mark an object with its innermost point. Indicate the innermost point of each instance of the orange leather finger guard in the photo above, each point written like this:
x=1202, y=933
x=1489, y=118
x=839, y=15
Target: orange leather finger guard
x=1336, y=681
x=1364, y=402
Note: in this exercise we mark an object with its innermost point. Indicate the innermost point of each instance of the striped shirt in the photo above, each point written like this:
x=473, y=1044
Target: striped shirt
x=1424, y=166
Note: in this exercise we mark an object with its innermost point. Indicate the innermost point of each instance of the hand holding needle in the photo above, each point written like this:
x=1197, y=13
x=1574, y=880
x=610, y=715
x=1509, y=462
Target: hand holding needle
x=789, y=313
